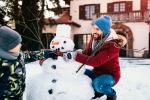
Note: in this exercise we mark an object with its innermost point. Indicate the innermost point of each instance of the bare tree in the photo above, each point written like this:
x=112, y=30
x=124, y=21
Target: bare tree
x=2, y=15
x=28, y=16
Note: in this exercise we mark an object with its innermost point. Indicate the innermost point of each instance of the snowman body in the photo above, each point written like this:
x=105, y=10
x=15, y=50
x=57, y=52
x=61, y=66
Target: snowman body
x=58, y=79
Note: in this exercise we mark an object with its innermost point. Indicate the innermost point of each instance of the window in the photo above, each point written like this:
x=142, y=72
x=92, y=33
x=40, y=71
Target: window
x=89, y=11
x=86, y=11
x=119, y=7
x=116, y=7
x=123, y=6
x=81, y=40
x=148, y=4
x=86, y=38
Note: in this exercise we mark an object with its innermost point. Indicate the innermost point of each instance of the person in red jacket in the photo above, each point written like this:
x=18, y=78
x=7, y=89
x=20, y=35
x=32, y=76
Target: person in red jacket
x=105, y=62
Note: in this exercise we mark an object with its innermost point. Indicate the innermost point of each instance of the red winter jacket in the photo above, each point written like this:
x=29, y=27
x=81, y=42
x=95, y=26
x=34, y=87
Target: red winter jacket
x=106, y=60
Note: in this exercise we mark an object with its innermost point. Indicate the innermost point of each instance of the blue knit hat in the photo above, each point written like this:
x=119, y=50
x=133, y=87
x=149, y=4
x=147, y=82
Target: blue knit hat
x=104, y=24
x=8, y=40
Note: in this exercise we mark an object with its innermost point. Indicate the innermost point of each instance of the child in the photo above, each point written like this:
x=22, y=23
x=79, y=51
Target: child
x=12, y=69
x=105, y=62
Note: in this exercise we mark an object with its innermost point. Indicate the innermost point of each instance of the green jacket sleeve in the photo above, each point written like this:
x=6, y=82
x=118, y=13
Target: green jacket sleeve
x=31, y=56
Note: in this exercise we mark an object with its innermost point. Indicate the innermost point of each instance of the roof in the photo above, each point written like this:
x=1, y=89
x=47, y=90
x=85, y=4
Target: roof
x=65, y=18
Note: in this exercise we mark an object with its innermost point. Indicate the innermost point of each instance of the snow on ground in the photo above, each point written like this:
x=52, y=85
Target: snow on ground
x=135, y=80
x=134, y=83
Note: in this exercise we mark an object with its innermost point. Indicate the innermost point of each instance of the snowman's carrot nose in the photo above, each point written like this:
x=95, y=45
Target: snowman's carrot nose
x=55, y=43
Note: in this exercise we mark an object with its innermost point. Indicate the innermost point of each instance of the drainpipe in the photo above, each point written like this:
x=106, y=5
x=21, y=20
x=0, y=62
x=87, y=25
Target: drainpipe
x=149, y=40
x=128, y=51
x=148, y=22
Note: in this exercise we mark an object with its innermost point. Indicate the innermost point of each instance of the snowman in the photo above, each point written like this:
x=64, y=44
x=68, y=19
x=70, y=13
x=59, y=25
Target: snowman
x=58, y=79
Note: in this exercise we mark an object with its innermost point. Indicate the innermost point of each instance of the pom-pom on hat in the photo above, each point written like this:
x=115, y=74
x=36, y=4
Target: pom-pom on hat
x=104, y=24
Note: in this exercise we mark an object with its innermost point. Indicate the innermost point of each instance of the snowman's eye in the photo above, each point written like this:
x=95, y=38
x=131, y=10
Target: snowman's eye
x=53, y=46
x=64, y=41
x=62, y=47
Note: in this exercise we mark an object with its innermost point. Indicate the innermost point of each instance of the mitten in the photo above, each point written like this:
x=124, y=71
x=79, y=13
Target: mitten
x=50, y=54
x=69, y=55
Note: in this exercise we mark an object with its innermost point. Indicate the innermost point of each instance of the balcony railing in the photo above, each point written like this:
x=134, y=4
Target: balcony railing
x=134, y=16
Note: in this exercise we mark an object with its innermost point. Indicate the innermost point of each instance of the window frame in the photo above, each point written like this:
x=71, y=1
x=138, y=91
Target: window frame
x=148, y=4
x=89, y=10
x=123, y=6
x=120, y=7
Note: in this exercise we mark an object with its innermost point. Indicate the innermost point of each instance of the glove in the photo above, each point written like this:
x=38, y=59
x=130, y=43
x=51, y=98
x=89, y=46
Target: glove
x=50, y=54
x=69, y=55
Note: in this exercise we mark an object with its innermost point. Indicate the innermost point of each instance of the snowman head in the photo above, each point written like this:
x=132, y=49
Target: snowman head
x=62, y=41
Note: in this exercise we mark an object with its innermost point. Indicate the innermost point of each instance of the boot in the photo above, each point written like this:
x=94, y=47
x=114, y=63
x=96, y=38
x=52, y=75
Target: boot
x=112, y=97
x=97, y=95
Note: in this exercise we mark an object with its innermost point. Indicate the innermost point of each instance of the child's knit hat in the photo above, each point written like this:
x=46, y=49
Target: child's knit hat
x=9, y=39
x=104, y=24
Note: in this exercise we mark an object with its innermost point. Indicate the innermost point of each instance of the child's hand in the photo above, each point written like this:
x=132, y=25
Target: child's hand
x=41, y=61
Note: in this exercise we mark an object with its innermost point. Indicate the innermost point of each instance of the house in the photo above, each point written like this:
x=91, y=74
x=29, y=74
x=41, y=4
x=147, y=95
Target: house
x=130, y=18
